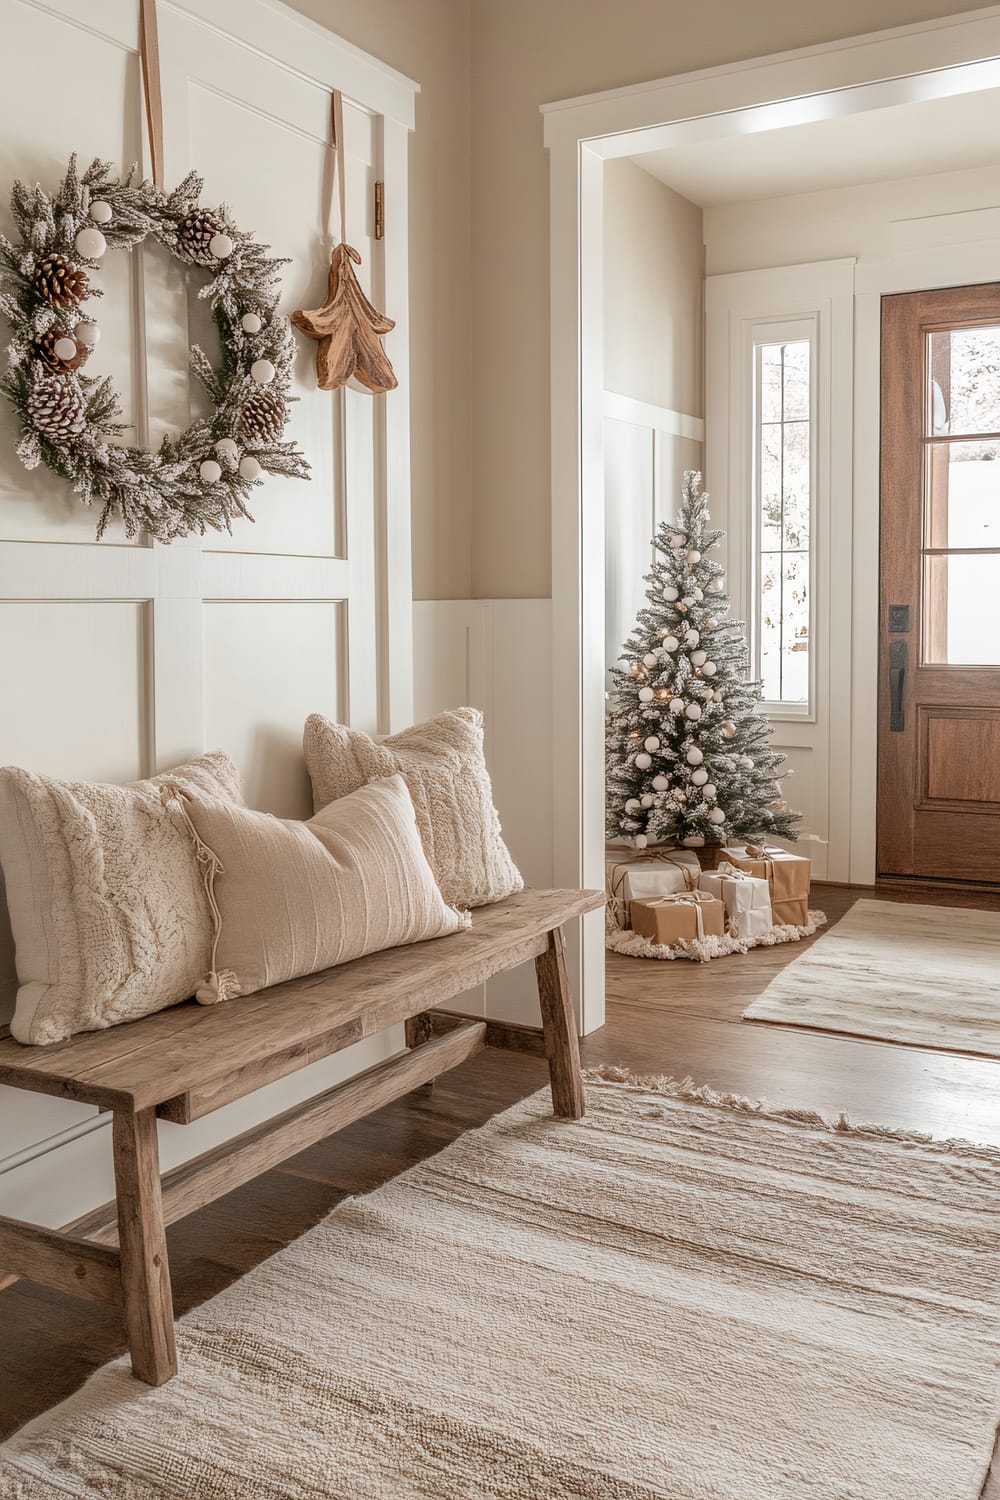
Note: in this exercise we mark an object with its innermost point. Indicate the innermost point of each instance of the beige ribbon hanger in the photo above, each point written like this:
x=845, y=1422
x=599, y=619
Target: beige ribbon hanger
x=149, y=58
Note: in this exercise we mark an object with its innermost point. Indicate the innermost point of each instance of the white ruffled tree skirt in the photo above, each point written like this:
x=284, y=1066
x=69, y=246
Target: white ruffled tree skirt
x=703, y=951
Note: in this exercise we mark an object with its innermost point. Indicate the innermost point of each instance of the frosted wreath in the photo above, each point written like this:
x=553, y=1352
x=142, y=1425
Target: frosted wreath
x=204, y=477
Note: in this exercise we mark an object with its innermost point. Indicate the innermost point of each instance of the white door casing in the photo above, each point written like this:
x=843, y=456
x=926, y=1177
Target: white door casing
x=125, y=656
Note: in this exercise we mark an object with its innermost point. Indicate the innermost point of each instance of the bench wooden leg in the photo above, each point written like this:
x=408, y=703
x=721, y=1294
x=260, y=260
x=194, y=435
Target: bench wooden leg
x=145, y=1271
x=562, y=1047
x=418, y=1030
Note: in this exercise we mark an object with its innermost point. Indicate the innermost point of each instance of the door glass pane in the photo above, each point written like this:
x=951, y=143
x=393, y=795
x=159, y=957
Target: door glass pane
x=963, y=494
x=963, y=381
x=961, y=609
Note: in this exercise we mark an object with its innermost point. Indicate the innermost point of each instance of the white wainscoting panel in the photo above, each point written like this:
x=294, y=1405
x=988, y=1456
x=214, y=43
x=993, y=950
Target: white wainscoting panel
x=496, y=655
x=122, y=657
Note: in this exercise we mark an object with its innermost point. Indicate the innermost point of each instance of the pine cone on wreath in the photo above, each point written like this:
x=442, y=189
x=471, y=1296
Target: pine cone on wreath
x=56, y=409
x=45, y=350
x=262, y=419
x=59, y=281
x=196, y=233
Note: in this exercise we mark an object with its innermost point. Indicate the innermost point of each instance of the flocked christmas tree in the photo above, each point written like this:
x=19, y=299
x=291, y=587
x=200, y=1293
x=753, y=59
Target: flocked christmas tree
x=688, y=748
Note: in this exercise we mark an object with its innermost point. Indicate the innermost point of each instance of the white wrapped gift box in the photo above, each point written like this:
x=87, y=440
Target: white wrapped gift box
x=640, y=875
x=747, y=900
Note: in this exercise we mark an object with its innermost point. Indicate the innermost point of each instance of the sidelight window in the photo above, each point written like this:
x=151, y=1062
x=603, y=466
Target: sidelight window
x=783, y=431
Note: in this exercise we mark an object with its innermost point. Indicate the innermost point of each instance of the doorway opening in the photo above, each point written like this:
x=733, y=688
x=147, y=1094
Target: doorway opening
x=887, y=131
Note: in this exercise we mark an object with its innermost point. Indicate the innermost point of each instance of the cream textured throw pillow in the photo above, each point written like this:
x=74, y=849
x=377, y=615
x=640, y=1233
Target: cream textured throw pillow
x=443, y=764
x=292, y=898
x=106, y=902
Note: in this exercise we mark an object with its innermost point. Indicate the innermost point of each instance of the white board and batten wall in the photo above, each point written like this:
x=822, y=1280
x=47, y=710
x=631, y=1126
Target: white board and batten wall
x=124, y=657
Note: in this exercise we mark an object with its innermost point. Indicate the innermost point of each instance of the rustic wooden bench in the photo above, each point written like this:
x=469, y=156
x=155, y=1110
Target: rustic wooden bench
x=182, y=1063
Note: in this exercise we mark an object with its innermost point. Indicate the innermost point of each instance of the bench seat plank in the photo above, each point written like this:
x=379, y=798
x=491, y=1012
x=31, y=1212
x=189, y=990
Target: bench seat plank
x=191, y=1048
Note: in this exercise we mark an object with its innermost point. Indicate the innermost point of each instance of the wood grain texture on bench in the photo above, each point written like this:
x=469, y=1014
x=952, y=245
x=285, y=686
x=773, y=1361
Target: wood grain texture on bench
x=215, y=1053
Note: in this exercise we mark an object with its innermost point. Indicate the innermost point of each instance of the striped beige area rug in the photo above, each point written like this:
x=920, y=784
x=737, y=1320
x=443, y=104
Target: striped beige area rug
x=677, y=1298
x=926, y=975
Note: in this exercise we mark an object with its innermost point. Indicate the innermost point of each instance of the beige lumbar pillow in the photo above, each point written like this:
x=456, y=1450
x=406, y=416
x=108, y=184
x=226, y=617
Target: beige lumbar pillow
x=443, y=764
x=292, y=898
x=106, y=903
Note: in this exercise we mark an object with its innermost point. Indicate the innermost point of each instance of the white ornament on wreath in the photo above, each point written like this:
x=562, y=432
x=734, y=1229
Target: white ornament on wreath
x=71, y=420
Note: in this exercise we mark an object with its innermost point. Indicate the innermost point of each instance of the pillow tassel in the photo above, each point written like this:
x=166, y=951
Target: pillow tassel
x=215, y=986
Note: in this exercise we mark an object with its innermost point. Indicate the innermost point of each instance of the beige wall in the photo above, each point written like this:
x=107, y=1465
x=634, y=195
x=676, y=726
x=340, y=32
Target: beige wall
x=653, y=270
x=481, y=410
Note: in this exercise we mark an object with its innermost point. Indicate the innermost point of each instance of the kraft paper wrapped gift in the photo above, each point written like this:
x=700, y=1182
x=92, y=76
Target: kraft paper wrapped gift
x=686, y=916
x=635, y=875
x=787, y=876
x=747, y=900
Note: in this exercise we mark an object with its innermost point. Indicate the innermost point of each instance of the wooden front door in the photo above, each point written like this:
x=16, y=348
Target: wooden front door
x=939, y=693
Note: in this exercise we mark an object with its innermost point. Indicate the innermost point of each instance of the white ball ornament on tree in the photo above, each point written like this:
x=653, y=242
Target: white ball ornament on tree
x=699, y=658
x=717, y=816
x=632, y=805
x=65, y=349
x=90, y=243
x=87, y=334
x=710, y=791
x=251, y=323
x=100, y=211
x=210, y=471
x=227, y=450
x=716, y=585
x=649, y=660
x=693, y=556
x=693, y=711
x=694, y=756
x=697, y=595
x=670, y=643
x=676, y=540
x=220, y=246
x=651, y=743
x=660, y=784
x=729, y=731
x=250, y=469
x=699, y=777
x=640, y=841
x=646, y=695
x=709, y=669
x=262, y=372
x=692, y=638
x=647, y=799
x=676, y=705
x=670, y=593
x=643, y=761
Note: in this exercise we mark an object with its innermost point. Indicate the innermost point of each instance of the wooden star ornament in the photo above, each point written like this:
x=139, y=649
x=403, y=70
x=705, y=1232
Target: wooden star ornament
x=349, y=330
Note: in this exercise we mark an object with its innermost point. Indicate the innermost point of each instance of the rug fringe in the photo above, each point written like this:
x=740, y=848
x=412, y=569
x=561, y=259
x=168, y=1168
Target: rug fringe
x=689, y=1092
x=633, y=946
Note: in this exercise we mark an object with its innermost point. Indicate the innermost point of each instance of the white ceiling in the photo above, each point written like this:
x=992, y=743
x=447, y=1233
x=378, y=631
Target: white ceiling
x=904, y=140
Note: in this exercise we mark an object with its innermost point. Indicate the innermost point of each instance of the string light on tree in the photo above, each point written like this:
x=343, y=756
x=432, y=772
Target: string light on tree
x=705, y=772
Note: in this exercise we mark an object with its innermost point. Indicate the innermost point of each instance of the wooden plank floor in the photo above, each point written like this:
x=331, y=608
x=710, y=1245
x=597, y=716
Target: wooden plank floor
x=676, y=1018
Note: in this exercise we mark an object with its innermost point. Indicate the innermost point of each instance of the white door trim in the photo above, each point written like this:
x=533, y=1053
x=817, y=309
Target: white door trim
x=953, y=55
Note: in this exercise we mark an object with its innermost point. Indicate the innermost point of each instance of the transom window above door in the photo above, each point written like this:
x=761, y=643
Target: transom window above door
x=961, y=468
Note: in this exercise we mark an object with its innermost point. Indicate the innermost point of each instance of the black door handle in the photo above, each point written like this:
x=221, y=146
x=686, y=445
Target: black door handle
x=897, y=677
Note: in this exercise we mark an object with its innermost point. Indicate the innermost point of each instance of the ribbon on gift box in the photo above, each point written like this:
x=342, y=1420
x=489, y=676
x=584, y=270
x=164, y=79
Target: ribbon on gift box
x=692, y=897
x=617, y=903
